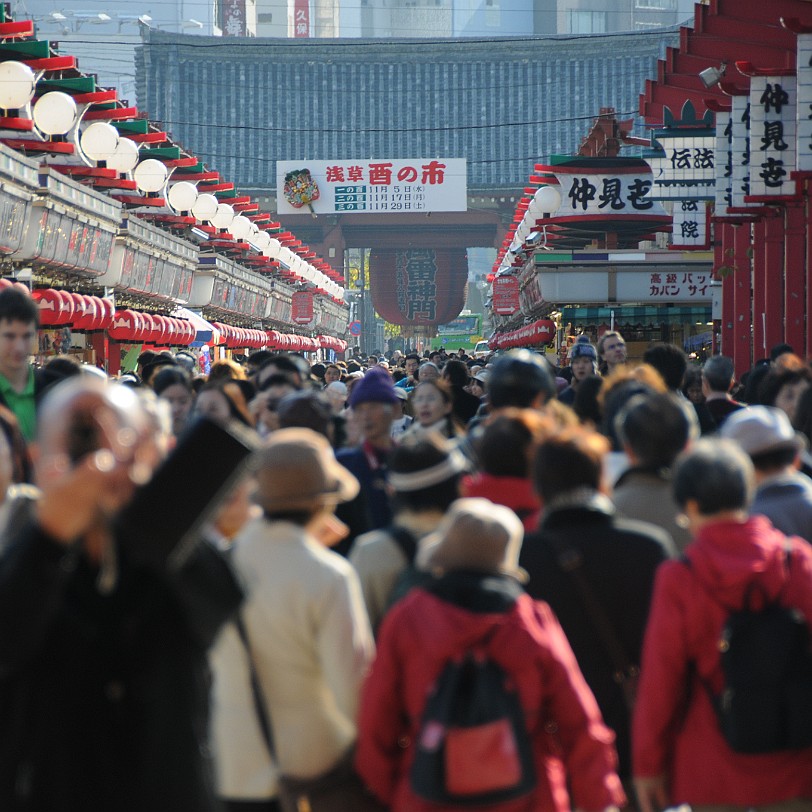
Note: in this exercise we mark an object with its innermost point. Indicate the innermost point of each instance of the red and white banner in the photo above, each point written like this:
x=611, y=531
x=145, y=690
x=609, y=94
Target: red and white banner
x=505, y=300
x=302, y=307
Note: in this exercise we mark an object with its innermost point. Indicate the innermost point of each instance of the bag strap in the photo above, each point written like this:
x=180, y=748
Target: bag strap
x=405, y=540
x=571, y=561
x=260, y=708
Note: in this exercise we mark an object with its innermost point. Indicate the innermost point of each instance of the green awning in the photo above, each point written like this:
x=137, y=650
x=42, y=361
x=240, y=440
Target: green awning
x=629, y=314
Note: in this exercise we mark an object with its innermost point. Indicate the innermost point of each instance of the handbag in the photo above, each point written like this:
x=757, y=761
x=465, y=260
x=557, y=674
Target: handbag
x=339, y=789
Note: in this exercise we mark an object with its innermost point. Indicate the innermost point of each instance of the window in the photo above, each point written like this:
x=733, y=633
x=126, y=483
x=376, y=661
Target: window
x=659, y=5
x=587, y=22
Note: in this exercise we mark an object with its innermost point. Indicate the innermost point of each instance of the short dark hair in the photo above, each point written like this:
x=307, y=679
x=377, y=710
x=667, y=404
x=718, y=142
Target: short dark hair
x=775, y=460
x=508, y=441
x=779, y=350
x=169, y=376
x=519, y=377
x=716, y=474
x=718, y=372
x=776, y=379
x=282, y=362
x=571, y=460
x=657, y=428
x=456, y=373
x=605, y=337
x=18, y=306
x=670, y=361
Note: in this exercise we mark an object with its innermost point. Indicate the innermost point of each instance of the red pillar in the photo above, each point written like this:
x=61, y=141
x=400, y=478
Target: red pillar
x=795, y=272
x=113, y=356
x=743, y=296
x=760, y=348
x=774, y=237
x=723, y=244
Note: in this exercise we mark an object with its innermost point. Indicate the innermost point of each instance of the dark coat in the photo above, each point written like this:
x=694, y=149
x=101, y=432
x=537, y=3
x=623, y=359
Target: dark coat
x=104, y=697
x=620, y=557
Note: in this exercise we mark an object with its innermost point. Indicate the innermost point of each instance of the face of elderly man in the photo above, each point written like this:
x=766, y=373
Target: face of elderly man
x=93, y=448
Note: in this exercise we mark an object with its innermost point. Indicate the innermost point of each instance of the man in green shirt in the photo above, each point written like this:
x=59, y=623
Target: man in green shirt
x=19, y=319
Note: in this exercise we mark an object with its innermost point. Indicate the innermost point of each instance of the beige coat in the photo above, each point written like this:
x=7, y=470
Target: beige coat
x=311, y=643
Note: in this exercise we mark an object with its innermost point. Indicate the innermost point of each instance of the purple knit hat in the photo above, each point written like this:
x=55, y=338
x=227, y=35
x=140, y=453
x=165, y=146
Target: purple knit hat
x=375, y=387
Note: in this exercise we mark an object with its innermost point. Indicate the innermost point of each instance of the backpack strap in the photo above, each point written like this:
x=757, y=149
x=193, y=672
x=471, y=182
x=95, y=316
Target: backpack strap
x=626, y=673
x=406, y=541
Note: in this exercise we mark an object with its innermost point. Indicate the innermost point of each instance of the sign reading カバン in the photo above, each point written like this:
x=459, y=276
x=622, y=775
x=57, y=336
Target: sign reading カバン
x=373, y=186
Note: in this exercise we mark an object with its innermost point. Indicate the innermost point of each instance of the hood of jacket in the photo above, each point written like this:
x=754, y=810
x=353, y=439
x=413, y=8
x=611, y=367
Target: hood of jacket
x=730, y=558
x=514, y=492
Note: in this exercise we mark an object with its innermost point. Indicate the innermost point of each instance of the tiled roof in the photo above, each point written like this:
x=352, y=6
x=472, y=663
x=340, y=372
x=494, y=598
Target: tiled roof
x=245, y=103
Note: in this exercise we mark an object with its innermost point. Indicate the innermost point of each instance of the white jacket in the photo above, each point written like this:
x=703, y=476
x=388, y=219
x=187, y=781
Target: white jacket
x=311, y=643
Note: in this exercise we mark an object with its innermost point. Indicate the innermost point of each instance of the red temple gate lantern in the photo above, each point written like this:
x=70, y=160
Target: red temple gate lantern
x=84, y=316
x=419, y=286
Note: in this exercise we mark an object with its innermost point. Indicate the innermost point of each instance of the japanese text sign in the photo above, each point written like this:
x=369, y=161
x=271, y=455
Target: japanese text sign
x=686, y=166
x=607, y=194
x=376, y=186
x=724, y=163
x=505, y=300
x=772, y=135
x=804, y=109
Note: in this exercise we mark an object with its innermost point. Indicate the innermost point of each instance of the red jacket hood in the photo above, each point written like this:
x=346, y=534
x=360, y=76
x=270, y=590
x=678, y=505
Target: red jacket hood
x=511, y=491
x=729, y=556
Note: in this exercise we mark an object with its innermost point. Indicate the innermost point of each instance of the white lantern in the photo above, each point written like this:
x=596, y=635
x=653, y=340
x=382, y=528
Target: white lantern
x=17, y=82
x=205, y=207
x=125, y=157
x=55, y=113
x=223, y=216
x=150, y=175
x=262, y=239
x=182, y=195
x=240, y=227
x=99, y=141
x=548, y=198
x=273, y=249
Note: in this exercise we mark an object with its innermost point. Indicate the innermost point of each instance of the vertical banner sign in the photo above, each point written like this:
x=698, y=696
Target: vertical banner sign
x=690, y=224
x=772, y=135
x=302, y=307
x=234, y=18
x=505, y=301
x=740, y=116
x=804, y=110
x=301, y=18
x=724, y=163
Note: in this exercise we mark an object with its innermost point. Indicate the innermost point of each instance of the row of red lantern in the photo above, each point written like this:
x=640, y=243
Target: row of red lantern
x=537, y=333
x=137, y=327
x=234, y=337
x=81, y=312
x=331, y=343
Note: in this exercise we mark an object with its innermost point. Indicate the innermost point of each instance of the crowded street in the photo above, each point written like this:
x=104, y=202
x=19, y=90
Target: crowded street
x=337, y=479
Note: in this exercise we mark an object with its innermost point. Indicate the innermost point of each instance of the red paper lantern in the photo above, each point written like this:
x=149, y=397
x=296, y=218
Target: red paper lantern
x=107, y=314
x=418, y=286
x=84, y=318
x=66, y=308
x=124, y=326
x=49, y=303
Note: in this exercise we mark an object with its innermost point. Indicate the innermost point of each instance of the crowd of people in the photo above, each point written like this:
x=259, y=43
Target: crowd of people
x=587, y=528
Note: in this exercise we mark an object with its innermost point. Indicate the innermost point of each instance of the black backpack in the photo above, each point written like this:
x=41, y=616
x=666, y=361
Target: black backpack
x=766, y=659
x=473, y=747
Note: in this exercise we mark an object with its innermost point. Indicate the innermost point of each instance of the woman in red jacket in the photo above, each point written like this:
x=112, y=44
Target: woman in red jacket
x=477, y=596
x=678, y=751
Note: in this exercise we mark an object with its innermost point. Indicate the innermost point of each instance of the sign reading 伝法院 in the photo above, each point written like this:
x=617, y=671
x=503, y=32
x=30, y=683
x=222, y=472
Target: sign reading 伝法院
x=373, y=186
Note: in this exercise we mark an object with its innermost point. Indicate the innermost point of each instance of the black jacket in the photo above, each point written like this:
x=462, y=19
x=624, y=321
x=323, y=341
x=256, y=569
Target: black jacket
x=619, y=557
x=103, y=697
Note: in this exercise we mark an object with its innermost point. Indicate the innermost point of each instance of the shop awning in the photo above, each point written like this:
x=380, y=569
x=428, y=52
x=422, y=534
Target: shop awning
x=205, y=332
x=631, y=315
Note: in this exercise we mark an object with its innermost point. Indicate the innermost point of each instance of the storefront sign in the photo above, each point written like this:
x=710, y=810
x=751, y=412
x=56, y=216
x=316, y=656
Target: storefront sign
x=373, y=186
x=804, y=108
x=723, y=192
x=773, y=101
x=740, y=116
x=690, y=225
x=505, y=300
x=302, y=307
x=301, y=19
x=685, y=168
